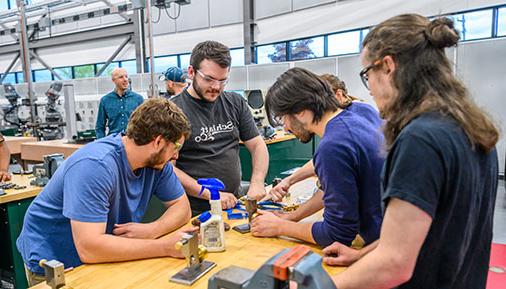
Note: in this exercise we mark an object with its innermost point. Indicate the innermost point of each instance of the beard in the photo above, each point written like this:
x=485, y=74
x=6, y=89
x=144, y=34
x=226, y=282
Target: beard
x=170, y=91
x=297, y=128
x=156, y=160
x=201, y=93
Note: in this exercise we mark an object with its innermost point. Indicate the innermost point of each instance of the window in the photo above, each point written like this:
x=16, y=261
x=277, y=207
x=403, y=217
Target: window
x=20, y=77
x=64, y=72
x=130, y=66
x=363, y=34
x=109, y=69
x=4, y=5
x=237, y=56
x=10, y=78
x=84, y=71
x=42, y=75
x=474, y=25
x=164, y=62
x=306, y=48
x=271, y=53
x=344, y=43
x=184, y=61
x=501, y=22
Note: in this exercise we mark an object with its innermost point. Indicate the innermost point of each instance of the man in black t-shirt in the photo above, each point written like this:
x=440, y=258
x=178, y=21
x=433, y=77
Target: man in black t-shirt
x=440, y=175
x=219, y=121
x=5, y=159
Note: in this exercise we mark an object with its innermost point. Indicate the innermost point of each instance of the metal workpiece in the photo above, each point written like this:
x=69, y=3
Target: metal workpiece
x=251, y=207
x=194, y=254
x=298, y=264
x=54, y=272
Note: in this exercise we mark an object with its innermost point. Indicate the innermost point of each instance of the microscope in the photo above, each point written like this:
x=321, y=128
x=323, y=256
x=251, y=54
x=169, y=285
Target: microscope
x=256, y=102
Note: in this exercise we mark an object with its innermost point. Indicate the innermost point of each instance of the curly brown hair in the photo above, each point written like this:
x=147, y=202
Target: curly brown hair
x=424, y=77
x=157, y=116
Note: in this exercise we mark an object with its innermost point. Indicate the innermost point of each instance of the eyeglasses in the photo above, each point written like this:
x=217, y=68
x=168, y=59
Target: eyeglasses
x=365, y=70
x=177, y=146
x=211, y=80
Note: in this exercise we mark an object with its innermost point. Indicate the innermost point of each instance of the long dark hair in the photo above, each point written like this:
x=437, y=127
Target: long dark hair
x=424, y=78
x=296, y=90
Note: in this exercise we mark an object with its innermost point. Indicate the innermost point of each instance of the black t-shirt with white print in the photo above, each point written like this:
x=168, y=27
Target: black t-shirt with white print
x=212, y=151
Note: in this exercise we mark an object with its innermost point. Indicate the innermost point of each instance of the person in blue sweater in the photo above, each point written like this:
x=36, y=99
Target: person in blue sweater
x=116, y=107
x=346, y=101
x=348, y=162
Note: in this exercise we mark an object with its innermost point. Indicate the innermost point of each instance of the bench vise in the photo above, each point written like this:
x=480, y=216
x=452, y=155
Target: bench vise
x=194, y=254
x=297, y=264
x=54, y=273
x=43, y=172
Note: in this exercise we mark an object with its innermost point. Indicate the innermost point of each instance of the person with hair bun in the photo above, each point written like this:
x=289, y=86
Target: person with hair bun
x=440, y=175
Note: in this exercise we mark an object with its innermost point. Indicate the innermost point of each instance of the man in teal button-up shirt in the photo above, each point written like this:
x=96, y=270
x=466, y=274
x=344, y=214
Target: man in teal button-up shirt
x=116, y=106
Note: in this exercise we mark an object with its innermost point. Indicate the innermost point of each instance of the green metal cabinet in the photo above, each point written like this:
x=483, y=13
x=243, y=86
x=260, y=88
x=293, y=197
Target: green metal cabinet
x=283, y=156
x=11, y=217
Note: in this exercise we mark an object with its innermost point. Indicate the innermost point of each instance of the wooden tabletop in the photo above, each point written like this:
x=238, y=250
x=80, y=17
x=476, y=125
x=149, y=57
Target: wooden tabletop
x=15, y=195
x=242, y=250
x=280, y=136
x=37, y=150
x=14, y=142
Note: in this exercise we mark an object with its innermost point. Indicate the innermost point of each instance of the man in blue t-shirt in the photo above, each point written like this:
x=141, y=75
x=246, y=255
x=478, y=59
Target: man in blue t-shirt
x=347, y=162
x=90, y=210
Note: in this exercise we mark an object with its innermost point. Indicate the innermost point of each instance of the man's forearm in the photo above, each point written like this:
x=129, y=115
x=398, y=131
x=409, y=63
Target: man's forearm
x=5, y=157
x=174, y=217
x=306, y=171
x=110, y=248
x=190, y=185
x=311, y=206
x=301, y=231
x=377, y=270
x=259, y=163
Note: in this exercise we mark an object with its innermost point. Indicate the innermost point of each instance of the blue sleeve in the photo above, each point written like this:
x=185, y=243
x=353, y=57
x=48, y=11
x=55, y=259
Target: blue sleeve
x=168, y=187
x=336, y=167
x=101, y=120
x=87, y=187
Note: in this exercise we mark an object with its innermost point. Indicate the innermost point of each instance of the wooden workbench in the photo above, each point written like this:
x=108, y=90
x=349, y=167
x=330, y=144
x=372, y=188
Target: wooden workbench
x=14, y=142
x=36, y=151
x=242, y=250
x=280, y=136
x=16, y=195
x=13, y=206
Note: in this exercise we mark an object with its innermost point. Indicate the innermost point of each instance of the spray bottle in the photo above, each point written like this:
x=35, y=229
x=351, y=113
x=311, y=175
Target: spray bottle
x=212, y=229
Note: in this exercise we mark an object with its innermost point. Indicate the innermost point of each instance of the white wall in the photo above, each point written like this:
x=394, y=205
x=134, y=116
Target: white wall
x=221, y=20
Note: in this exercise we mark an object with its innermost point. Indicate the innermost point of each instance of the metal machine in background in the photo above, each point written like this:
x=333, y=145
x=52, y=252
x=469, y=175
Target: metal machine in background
x=43, y=172
x=256, y=102
x=297, y=264
x=11, y=111
x=52, y=127
x=49, y=128
x=72, y=117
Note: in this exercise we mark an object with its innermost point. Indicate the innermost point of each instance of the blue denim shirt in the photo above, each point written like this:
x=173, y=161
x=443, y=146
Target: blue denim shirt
x=114, y=111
